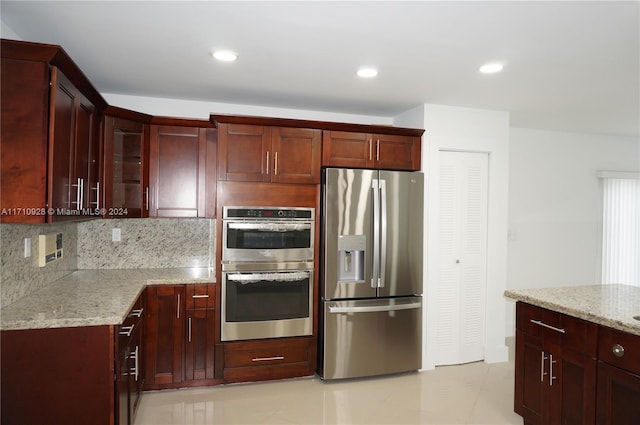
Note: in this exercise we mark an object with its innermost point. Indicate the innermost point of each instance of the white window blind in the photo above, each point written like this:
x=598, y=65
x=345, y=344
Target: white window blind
x=621, y=228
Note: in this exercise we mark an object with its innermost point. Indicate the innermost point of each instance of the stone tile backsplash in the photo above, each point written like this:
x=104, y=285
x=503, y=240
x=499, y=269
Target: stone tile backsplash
x=146, y=243
x=20, y=276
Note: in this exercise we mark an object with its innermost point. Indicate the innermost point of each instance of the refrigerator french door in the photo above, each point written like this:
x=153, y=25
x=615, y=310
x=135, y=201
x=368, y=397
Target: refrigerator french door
x=371, y=272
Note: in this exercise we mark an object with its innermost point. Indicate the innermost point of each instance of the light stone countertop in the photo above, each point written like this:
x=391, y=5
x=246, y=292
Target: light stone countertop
x=609, y=305
x=92, y=297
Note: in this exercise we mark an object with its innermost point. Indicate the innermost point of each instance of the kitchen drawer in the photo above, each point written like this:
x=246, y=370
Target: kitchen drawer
x=134, y=317
x=265, y=352
x=200, y=296
x=619, y=348
x=558, y=328
x=269, y=359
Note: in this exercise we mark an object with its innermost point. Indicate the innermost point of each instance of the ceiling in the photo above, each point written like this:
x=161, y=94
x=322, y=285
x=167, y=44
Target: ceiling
x=568, y=66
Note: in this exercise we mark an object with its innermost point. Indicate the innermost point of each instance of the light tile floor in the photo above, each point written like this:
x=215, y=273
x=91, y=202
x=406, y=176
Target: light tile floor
x=474, y=393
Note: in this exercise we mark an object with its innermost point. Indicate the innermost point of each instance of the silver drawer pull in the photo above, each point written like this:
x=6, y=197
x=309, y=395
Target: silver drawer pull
x=553, y=328
x=200, y=296
x=127, y=330
x=618, y=350
x=136, y=313
x=264, y=359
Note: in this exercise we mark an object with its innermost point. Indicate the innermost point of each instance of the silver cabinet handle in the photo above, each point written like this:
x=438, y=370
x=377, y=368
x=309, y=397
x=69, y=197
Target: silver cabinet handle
x=146, y=202
x=378, y=150
x=136, y=313
x=551, y=377
x=370, y=149
x=178, y=308
x=542, y=372
x=97, y=189
x=134, y=356
x=264, y=359
x=127, y=330
x=538, y=322
x=267, y=162
x=189, y=321
x=275, y=164
x=81, y=193
x=200, y=296
x=618, y=350
x=78, y=201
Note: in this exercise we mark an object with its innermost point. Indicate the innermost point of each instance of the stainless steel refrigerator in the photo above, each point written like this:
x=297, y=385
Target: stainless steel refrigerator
x=371, y=275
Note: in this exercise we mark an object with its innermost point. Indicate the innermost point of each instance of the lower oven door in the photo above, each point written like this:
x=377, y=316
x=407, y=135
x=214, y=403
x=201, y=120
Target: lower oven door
x=270, y=304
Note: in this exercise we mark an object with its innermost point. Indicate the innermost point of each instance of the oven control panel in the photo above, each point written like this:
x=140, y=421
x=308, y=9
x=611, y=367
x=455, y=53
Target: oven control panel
x=270, y=213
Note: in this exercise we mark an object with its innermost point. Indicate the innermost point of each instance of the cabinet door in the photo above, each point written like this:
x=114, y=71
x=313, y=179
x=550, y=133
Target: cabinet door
x=396, y=152
x=177, y=171
x=200, y=343
x=81, y=160
x=618, y=396
x=63, y=193
x=164, y=333
x=125, y=176
x=347, y=149
x=577, y=374
x=243, y=153
x=529, y=377
x=72, y=126
x=296, y=155
x=24, y=86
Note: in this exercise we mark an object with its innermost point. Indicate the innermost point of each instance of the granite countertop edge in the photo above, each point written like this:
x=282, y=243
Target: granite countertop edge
x=93, y=297
x=613, y=306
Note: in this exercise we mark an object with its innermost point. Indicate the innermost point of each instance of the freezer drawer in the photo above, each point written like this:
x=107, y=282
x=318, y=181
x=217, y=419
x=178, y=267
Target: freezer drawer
x=371, y=337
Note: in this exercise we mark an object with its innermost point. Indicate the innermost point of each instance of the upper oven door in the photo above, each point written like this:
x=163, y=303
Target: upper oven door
x=267, y=241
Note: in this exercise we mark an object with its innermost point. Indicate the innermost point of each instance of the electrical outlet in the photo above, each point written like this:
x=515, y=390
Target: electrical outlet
x=116, y=235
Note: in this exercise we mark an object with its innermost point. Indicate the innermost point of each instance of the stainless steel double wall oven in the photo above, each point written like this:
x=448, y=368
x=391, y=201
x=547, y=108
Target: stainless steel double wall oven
x=267, y=272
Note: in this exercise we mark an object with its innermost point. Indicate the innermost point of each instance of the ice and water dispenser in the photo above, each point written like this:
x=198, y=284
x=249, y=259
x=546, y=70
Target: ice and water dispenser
x=351, y=255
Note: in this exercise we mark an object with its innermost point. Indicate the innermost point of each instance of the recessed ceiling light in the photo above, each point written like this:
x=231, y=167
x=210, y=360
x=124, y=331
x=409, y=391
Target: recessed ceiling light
x=224, y=55
x=367, y=72
x=491, y=68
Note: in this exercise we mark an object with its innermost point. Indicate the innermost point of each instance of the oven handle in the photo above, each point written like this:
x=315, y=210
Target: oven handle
x=270, y=227
x=245, y=278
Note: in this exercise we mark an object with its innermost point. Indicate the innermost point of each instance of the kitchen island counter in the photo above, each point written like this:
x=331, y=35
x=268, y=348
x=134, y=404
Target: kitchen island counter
x=92, y=297
x=610, y=305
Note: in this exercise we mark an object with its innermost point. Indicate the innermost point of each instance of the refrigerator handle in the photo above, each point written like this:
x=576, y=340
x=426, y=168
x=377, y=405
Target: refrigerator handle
x=375, y=272
x=374, y=308
x=383, y=231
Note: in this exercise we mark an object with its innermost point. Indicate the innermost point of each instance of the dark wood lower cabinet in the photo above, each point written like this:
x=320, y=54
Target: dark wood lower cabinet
x=618, y=396
x=180, y=336
x=572, y=372
x=555, y=367
x=58, y=376
x=618, y=377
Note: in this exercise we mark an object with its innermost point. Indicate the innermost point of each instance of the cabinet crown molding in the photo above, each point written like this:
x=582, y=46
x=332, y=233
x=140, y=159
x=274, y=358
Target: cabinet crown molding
x=217, y=119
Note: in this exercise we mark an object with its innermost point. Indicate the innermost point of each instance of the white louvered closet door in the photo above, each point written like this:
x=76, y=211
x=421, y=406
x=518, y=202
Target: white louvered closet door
x=462, y=247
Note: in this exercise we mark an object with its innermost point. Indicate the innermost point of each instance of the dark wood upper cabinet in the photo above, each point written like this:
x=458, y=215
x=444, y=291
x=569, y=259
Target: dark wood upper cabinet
x=126, y=165
x=296, y=154
x=50, y=132
x=369, y=150
x=262, y=149
x=182, y=168
x=269, y=154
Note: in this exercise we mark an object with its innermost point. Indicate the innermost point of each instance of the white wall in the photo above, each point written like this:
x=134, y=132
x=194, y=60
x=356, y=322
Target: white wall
x=555, y=206
x=201, y=110
x=464, y=129
x=7, y=32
